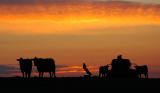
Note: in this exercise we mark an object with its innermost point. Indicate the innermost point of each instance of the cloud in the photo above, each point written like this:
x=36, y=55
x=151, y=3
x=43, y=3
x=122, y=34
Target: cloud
x=8, y=70
x=61, y=70
x=69, y=1
x=38, y=1
x=17, y=1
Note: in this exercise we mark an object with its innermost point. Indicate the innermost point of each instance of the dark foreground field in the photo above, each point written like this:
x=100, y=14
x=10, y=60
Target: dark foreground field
x=78, y=85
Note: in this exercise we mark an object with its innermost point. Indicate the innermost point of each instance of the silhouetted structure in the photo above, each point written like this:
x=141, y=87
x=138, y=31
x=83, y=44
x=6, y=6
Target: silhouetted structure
x=121, y=68
x=142, y=70
x=86, y=70
x=25, y=67
x=103, y=71
x=45, y=65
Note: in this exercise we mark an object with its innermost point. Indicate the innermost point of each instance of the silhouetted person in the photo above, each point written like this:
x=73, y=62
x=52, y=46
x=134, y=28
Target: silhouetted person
x=25, y=67
x=45, y=65
x=86, y=69
x=103, y=71
x=142, y=70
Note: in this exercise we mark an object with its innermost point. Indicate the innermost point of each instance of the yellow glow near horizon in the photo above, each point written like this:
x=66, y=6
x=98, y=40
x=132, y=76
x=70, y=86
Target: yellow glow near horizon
x=71, y=26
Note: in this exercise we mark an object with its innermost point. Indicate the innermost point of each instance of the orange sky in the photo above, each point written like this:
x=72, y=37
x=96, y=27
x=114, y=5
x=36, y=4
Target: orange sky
x=73, y=33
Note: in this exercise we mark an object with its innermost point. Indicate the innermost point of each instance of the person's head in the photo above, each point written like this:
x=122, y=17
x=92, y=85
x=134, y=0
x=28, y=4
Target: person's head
x=119, y=57
x=84, y=64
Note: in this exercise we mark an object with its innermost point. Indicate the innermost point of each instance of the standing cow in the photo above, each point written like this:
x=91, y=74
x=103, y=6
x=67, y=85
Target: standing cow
x=25, y=67
x=45, y=65
x=103, y=71
x=142, y=70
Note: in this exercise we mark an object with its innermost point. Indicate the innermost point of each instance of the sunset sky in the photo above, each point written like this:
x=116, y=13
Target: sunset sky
x=77, y=31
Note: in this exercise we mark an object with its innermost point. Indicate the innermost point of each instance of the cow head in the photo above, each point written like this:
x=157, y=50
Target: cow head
x=20, y=59
x=35, y=59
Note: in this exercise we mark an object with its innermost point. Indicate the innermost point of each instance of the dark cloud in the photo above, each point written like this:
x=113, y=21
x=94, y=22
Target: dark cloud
x=62, y=70
x=36, y=1
x=13, y=70
x=61, y=66
x=69, y=1
x=17, y=1
x=52, y=1
x=7, y=70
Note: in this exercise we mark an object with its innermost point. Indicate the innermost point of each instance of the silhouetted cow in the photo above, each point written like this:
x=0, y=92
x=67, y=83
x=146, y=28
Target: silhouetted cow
x=45, y=65
x=25, y=67
x=103, y=71
x=142, y=70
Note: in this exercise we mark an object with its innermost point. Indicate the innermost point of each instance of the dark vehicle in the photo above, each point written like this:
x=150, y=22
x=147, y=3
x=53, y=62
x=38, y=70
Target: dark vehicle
x=120, y=68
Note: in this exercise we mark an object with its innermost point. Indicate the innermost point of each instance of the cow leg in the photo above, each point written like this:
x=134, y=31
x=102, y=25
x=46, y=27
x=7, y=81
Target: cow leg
x=42, y=74
x=29, y=74
x=146, y=75
x=26, y=74
x=102, y=75
x=99, y=74
x=23, y=74
x=50, y=73
x=54, y=74
x=105, y=75
x=140, y=75
x=39, y=74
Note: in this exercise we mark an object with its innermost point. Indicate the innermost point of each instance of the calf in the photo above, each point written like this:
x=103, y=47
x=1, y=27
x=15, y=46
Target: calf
x=142, y=70
x=103, y=71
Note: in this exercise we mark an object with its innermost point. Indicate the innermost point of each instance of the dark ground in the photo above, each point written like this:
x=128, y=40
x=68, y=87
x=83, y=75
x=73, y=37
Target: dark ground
x=78, y=85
